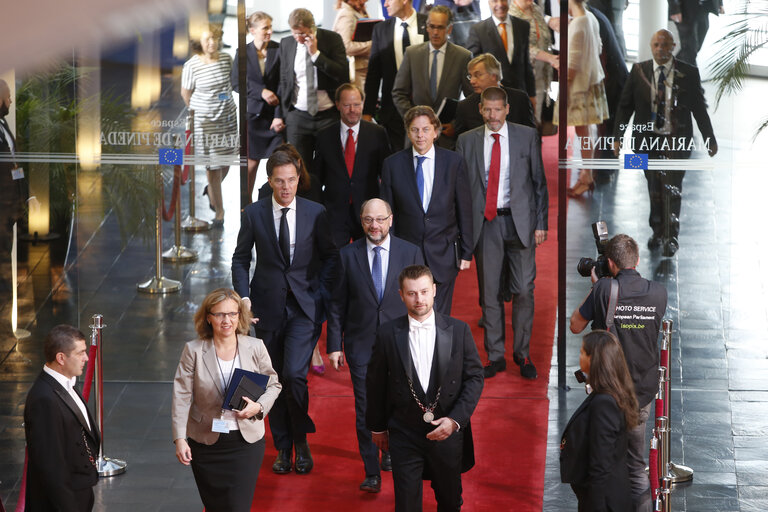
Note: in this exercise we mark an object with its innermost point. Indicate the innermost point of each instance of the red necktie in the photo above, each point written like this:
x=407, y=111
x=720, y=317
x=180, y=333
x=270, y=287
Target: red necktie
x=492, y=191
x=349, y=152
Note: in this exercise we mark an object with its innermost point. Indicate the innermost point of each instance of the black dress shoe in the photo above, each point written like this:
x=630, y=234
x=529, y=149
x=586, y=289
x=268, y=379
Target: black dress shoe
x=304, y=463
x=655, y=242
x=371, y=484
x=494, y=367
x=670, y=247
x=282, y=464
x=386, y=461
x=527, y=370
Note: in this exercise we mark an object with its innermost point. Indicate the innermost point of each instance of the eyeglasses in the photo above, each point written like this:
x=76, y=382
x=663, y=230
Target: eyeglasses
x=479, y=74
x=220, y=316
x=378, y=220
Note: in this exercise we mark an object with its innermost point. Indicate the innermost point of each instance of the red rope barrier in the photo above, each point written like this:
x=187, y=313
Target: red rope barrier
x=664, y=359
x=653, y=472
x=22, y=502
x=659, y=408
x=168, y=214
x=187, y=149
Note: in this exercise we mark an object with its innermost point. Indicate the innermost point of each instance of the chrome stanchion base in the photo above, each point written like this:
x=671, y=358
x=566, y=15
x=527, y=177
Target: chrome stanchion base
x=193, y=224
x=162, y=285
x=110, y=467
x=22, y=334
x=180, y=254
x=679, y=473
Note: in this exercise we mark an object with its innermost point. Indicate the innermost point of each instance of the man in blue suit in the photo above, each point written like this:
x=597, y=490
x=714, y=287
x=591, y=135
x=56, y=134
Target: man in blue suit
x=428, y=190
x=296, y=268
x=367, y=297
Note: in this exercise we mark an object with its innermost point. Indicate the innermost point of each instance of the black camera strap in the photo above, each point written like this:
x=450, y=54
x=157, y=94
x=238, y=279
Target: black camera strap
x=612, y=303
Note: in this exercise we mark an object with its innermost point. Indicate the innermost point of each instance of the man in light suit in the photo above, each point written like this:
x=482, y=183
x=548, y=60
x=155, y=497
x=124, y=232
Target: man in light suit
x=366, y=298
x=404, y=28
x=485, y=37
x=670, y=110
x=485, y=71
x=424, y=381
x=509, y=213
x=313, y=64
x=433, y=71
x=62, y=437
x=429, y=194
x=348, y=160
x=296, y=270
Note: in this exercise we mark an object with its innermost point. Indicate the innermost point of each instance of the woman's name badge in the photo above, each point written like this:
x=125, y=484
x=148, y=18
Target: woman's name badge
x=17, y=173
x=220, y=425
x=223, y=96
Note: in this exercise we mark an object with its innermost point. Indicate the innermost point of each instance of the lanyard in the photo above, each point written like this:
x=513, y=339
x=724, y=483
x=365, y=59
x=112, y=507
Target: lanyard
x=231, y=370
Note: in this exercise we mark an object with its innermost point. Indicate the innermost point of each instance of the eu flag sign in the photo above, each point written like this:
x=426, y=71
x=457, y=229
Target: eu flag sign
x=171, y=156
x=636, y=161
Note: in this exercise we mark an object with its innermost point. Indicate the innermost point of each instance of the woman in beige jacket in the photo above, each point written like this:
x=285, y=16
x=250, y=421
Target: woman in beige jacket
x=350, y=11
x=224, y=447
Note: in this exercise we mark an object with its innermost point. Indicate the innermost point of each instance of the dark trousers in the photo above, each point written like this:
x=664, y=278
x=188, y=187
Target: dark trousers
x=500, y=248
x=290, y=349
x=637, y=451
x=665, y=190
x=395, y=132
x=444, y=296
x=411, y=452
x=368, y=451
x=301, y=129
x=692, y=32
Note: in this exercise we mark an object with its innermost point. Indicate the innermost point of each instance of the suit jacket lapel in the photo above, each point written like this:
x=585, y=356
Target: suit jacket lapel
x=443, y=344
x=361, y=257
x=409, y=166
x=272, y=53
x=403, y=349
x=581, y=408
x=390, y=280
x=514, y=149
x=480, y=159
x=212, y=366
x=268, y=223
x=438, y=178
x=302, y=228
x=253, y=59
x=69, y=401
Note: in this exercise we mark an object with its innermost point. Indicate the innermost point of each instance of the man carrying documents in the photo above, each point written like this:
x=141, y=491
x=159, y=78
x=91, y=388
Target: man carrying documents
x=224, y=367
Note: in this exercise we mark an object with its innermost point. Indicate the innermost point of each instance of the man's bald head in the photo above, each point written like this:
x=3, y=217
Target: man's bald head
x=5, y=98
x=662, y=46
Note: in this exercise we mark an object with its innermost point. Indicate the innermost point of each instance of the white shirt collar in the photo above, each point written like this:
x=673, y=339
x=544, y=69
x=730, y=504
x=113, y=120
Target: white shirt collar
x=276, y=206
x=441, y=49
x=667, y=66
x=429, y=154
x=429, y=322
x=503, y=131
x=384, y=245
x=355, y=128
x=65, y=381
x=409, y=20
x=496, y=20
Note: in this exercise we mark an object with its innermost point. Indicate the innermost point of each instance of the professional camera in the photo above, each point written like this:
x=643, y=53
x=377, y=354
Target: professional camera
x=585, y=265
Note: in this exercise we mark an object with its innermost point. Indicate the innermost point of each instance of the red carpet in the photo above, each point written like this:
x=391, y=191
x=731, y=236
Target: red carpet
x=509, y=425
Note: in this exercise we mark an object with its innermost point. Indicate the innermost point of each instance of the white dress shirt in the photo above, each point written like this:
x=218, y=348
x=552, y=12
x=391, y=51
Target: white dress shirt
x=510, y=40
x=9, y=139
x=421, y=341
x=226, y=370
x=324, y=101
x=413, y=34
x=69, y=385
x=428, y=168
x=345, y=133
x=440, y=61
x=502, y=200
x=669, y=81
x=383, y=257
x=277, y=213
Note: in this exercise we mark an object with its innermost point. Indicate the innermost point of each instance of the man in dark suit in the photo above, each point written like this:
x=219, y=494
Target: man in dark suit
x=366, y=298
x=424, y=381
x=485, y=71
x=405, y=27
x=428, y=191
x=510, y=205
x=465, y=14
x=489, y=36
x=664, y=94
x=692, y=20
x=348, y=160
x=433, y=71
x=62, y=438
x=313, y=64
x=296, y=270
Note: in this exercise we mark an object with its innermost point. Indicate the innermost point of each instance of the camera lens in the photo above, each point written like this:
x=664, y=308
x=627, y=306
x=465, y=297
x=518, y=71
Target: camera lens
x=584, y=267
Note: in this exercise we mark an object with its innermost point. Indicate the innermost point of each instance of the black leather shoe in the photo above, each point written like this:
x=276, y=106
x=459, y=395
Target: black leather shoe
x=517, y=359
x=655, y=242
x=371, y=484
x=670, y=247
x=386, y=461
x=527, y=370
x=494, y=367
x=282, y=464
x=304, y=463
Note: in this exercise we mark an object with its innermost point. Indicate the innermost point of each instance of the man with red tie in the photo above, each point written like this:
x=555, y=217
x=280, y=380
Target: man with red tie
x=348, y=158
x=509, y=220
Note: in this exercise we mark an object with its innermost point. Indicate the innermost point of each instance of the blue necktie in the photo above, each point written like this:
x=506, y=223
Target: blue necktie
x=406, y=36
x=420, y=178
x=433, y=76
x=376, y=273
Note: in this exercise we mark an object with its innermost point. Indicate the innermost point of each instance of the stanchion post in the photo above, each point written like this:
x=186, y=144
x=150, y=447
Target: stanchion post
x=666, y=495
x=178, y=253
x=662, y=434
x=677, y=473
x=104, y=465
x=192, y=223
x=159, y=284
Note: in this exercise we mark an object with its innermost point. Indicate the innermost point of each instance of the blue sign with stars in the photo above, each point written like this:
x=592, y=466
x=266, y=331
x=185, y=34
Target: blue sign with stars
x=171, y=156
x=637, y=161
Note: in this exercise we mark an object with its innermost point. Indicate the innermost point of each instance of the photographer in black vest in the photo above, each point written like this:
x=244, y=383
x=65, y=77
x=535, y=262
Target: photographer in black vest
x=632, y=308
